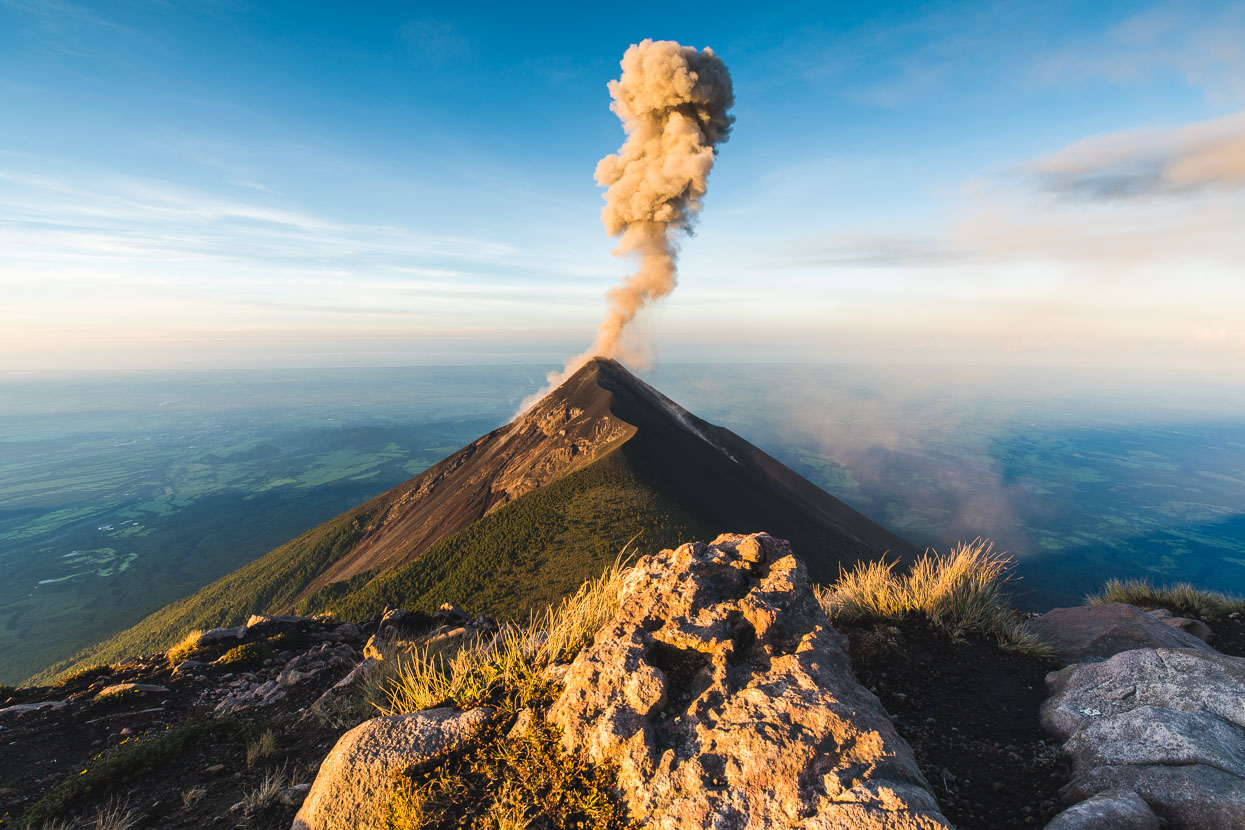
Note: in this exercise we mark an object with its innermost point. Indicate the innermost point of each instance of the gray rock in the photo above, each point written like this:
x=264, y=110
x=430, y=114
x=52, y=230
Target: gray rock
x=348, y=631
x=358, y=777
x=119, y=688
x=343, y=687
x=1197, y=628
x=216, y=635
x=23, y=708
x=294, y=796
x=1182, y=680
x=1109, y=810
x=187, y=667
x=1192, y=797
x=1090, y=633
x=725, y=698
x=1167, y=724
x=1154, y=735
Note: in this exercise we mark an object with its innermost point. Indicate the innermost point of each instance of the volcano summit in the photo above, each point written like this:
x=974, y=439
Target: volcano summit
x=521, y=516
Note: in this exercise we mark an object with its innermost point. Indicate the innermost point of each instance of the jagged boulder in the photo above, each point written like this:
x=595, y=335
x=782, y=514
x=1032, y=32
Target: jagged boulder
x=358, y=777
x=1090, y=633
x=726, y=699
x=1167, y=724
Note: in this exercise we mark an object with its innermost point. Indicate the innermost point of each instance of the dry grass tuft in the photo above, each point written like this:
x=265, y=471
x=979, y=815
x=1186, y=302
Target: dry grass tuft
x=193, y=796
x=273, y=782
x=962, y=592
x=185, y=648
x=260, y=748
x=1180, y=598
x=507, y=669
x=115, y=815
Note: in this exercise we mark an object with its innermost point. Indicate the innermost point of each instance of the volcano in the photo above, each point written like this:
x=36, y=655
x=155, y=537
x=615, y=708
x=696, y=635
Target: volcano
x=523, y=515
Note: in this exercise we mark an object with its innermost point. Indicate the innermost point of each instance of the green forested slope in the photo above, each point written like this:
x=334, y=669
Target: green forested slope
x=530, y=552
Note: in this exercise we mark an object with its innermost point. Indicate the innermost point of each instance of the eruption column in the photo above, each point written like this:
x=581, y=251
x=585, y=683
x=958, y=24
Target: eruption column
x=673, y=102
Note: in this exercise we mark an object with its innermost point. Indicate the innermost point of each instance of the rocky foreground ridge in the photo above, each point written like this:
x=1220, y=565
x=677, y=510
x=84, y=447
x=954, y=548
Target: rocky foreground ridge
x=717, y=694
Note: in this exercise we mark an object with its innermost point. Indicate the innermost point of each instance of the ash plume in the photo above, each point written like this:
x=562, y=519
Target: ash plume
x=673, y=101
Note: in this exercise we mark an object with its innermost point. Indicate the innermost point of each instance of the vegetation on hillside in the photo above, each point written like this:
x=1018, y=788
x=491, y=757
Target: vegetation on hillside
x=1180, y=598
x=963, y=592
x=531, y=552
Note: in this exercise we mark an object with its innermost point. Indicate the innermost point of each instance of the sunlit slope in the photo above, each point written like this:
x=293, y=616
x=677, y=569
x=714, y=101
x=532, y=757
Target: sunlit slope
x=519, y=517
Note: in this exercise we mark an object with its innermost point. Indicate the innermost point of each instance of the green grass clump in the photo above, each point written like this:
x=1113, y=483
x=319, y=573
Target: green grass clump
x=1181, y=598
x=245, y=653
x=960, y=593
x=497, y=781
x=124, y=765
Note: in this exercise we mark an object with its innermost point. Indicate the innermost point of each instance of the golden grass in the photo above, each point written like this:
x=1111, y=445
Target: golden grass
x=1179, y=598
x=960, y=593
x=185, y=648
x=507, y=669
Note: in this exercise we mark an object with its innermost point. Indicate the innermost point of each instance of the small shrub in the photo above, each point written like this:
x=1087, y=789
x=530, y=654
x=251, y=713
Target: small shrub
x=245, y=653
x=1180, y=598
x=498, y=781
x=960, y=593
x=185, y=648
x=262, y=747
x=193, y=796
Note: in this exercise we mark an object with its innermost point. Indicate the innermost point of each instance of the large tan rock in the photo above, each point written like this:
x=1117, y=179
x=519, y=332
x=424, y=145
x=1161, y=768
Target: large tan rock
x=357, y=778
x=1091, y=633
x=726, y=699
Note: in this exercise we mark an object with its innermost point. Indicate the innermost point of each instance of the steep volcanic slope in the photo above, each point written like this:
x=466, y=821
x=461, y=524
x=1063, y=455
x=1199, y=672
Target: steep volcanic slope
x=624, y=459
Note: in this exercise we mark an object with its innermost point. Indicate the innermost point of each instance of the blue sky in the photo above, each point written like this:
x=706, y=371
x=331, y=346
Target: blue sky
x=193, y=185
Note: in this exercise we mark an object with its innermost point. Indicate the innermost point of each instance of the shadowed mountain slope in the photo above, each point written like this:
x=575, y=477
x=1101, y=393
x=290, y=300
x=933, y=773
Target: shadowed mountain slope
x=522, y=515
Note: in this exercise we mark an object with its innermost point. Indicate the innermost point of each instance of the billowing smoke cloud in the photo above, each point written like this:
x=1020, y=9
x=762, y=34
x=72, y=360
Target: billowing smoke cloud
x=673, y=102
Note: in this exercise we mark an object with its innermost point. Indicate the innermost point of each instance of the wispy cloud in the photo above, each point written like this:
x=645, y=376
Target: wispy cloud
x=1144, y=163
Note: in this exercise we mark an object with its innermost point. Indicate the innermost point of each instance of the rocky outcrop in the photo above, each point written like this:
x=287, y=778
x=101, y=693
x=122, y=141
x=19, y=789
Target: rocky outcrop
x=357, y=778
x=725, y=699
x=1167, y=725
x=1091, y=633
x=296, y=670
